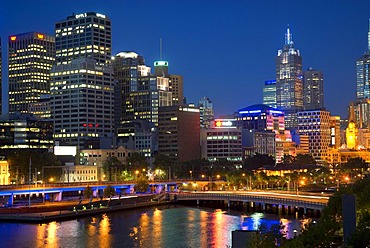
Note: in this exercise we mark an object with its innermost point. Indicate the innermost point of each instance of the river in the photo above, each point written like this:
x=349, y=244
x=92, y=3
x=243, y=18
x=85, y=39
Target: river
x=165, y=226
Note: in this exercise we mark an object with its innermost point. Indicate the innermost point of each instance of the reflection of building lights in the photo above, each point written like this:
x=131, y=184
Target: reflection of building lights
x=256, y=218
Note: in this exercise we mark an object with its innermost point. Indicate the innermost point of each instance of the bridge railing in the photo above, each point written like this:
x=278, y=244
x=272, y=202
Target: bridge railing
x=252, y=198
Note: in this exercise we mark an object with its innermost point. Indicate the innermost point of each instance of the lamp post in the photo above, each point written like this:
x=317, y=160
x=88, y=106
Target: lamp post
x=191, y=175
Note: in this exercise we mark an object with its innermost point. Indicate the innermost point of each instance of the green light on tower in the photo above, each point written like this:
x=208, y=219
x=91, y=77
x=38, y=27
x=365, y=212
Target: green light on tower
x=161, y=63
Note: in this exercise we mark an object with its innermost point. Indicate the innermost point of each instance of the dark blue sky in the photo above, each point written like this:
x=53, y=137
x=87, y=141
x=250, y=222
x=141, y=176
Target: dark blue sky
x=224, y=49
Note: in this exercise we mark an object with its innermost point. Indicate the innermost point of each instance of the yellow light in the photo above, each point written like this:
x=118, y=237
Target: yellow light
x=13, y=38
x=136, y=172
x=40, y=36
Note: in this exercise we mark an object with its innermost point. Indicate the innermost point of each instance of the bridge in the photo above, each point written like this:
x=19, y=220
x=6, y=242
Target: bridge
x=251, y=200
x=56, y=192
x=262, y=201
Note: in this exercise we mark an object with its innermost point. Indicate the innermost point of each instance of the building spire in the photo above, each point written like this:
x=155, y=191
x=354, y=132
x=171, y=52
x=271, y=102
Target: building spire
x=288, y=37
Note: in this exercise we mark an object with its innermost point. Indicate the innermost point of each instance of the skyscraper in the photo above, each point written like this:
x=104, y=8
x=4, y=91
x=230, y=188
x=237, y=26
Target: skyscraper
x=31, y=56
x=269, y=93
x=363, y=72
x=362, y=103
x=205, y=106
x=1, y=77
x=86, y=35
x=289, y=86
x=82, y=100
x=313, y=89
x=176, y=82
x=82, y=88
x=139, y=94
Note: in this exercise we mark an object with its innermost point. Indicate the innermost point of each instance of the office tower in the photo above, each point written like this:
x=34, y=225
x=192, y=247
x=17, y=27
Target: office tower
x=222, y=140
x=176, y=82
x=1, y=77
x=289, y=86
x=86, y=35
x=335, y=131
x=140, y=93
x=269, y=93
x=41, y=109
x=82, y=101
x=31, y=56
x=261, y=117
x=313, y=89
x=363, y=71
x=317, y=125
x=23, y=131
x=179, y=133
x=205, y=106
x=82, y=86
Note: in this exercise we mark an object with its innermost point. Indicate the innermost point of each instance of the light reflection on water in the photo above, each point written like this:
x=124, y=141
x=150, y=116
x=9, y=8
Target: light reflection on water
x=167, y=226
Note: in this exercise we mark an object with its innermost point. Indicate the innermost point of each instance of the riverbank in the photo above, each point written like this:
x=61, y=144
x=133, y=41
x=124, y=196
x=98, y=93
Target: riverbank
x=60, y=211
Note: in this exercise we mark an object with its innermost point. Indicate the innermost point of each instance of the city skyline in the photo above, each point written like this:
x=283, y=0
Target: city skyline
x=233, y=44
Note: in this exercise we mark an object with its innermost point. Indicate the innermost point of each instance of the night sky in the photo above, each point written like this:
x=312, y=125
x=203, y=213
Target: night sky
x=224, y=49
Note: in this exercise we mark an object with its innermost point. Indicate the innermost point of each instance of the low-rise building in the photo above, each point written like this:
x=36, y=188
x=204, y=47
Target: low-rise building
x=4, y=173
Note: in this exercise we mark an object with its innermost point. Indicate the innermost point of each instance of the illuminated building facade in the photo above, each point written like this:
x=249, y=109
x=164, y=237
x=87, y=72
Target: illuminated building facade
x=335, y=131
x=139, y=94
x=262, y=142
x=289, y=86
x=4, y=173
x=1, y=77
x=261, y=117
x=363, y=72
x=85, y=35
x=139, y=135
x=284, y=146
x=316, y=124
x=179, y=132
x=176, y=82
x=313, y=89
x=351, y=136
x=205, y=106
x=269, y=93
x=222, y=141
x=82, y=101
x=30, y=59
x=41, y=109
x=19, y=131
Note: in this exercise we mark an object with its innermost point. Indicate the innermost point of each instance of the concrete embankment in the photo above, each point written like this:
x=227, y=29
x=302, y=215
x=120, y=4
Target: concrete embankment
x=66, y=211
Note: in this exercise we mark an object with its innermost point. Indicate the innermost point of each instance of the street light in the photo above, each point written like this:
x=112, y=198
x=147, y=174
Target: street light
x=191, y=175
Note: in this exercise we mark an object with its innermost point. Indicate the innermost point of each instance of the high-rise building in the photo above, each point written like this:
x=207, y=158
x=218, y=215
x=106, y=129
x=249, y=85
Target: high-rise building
x=261, y=117
x=82, y=86
x=289, y=86
x=1, y=77
x=176, y=82
x=139, y=94
x=317, y=125
x=269, y=93
x=85, y=35
x=223, y=140
x=363, y=72
x=335, y=131
x=23, y=131
x=205, y=106
x=30, y=58
x=82, y=101
x=179, y=132
x=313, y=89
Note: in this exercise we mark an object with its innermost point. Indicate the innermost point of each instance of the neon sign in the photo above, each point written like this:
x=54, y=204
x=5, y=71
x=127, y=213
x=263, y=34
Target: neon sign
x=13, y=38
x=81, y=15
x=224, y=123
x=40, y=36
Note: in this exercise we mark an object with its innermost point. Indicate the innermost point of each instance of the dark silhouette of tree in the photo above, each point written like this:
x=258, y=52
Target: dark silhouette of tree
x=112, y=165
x=136, y=161
x=109, y=191
x=258, y=160
x=304, y=159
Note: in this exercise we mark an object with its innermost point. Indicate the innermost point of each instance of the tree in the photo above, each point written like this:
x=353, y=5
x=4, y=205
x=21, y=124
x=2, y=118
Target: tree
x=137, y=161
x=288, y=159
x=109, y=191
x=304, y=159
x=163, y=163
x=258, y=160
x=88, y=192
x=142, y=184
x=112, y=166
